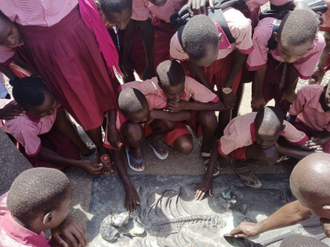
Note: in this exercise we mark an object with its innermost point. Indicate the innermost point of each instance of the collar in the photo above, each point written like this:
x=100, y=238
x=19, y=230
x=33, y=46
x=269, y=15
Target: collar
x=34, y=118
x=224, y=43
x=21, y=234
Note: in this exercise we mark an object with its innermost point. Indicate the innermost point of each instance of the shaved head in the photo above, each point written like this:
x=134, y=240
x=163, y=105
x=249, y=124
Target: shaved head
x=269, y=120
x=310, y=181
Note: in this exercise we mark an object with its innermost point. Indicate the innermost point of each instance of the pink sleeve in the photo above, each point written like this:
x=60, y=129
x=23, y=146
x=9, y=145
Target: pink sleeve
x=176, y=50
x=298, y=104
x=241, y=29
x=199, y=92
x=294, y=136
x=3, y=205
x=140, y=10
x=253, y=4
x=305, y=66
x=26, y=134
x=262, y=33
x=6, y=55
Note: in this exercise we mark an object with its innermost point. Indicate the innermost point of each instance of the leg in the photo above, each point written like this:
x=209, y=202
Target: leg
x=158, y=127
x=224, y=118
x=133, y=134
x=239, y=96
x=208, y=121
x=184, y=144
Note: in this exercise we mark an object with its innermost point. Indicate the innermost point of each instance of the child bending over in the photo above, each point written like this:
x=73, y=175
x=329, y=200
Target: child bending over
x=39, y=199
x=180, y=92
x=46, y=137
x=297, y=49
x=253, y=138
x=310, y=113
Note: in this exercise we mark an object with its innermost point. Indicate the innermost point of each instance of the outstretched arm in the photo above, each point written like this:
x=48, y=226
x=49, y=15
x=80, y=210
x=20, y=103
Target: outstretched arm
x=258, y=100
x=319, y=70
x=181, y=105
x=170, y=116
x=287, y=215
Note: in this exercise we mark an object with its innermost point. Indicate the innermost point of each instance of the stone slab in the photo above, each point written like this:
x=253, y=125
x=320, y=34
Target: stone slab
x=172, y=217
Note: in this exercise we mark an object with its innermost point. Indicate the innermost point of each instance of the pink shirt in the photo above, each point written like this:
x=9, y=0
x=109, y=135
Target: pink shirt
x=13, y=234
x=258, y=57
x=142, y=9
x=240, y=28
x=308, y=109
x=25, y=129
x=240, y=132
x=193, y=89
x=252, y=4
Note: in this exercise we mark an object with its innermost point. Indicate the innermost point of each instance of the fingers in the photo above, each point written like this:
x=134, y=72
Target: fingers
x=210, y=192
x=199, y=195
x=211, y=4
x=59, y=240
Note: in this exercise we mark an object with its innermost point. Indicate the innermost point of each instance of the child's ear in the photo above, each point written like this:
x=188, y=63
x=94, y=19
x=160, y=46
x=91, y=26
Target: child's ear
x=220, y=37
x=275, y=34
x=47, y=218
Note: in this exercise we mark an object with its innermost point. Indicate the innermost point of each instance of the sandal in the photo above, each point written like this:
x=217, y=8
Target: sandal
x=157, y=151
x=251, y=180
x=138, y=161
x=206, y=160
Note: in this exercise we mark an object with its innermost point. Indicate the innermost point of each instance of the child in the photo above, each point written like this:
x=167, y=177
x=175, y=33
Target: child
x=258, y=144
x=310, y=113
x=141, y=116
x=39, y=199
x=70, y=47
x=211, y=56
x=45, y=135
x=298, y=49
x=180, y=92
x=309, y=183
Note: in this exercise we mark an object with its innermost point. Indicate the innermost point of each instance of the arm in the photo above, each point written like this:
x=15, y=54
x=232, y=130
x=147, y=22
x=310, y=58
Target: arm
x=7, y=71
x=147, y=35
x=131, y=197
x=170, y=116
x=197, y=106
x=294, y=152
x=287, y=215
x=291, y=118
x=319, y=70
x=230, y=99
x=130, y=33
x=113, y=134
x=51, y=156
x=199, y=71
x=289, y=94
x=65, y=126
x=11, y=111
x=258, y=100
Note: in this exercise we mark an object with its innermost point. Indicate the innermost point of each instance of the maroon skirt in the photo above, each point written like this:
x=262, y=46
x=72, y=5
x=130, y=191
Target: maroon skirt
x=68, y=58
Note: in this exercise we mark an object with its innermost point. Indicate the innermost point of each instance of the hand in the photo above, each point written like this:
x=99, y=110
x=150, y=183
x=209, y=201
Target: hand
x=246, y=229
x=72, y=231
x=257, y=102
x=11, y=111
x=229, y=100
x=289, y=96
x=198, y=6
x=319, y=141
x=325, y=223
x=316, y=77
x=311, y=145
x=114, y=137
x=176, y=106
x=204, y=186
x=148, y=73
x=150, y=118
x=91, y=168
x=131, y=200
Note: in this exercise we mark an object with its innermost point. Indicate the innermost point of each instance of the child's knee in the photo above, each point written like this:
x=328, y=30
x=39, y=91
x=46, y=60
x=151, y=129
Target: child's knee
x=168, y=125
x=208, y=119
x=132, y=131
x=184, y=144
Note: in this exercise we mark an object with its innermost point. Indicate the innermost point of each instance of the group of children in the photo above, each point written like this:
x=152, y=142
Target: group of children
x=64, y=58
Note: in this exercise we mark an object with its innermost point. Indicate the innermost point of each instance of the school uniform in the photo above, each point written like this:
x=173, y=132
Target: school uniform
x=12, y=234
x=193, y=90
x=30, y=132
x=240, y=133
x=71, y=49
x=274, y=84
x=311, y=118
x=154, y=102
x=218, y=72
x=325, y=27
